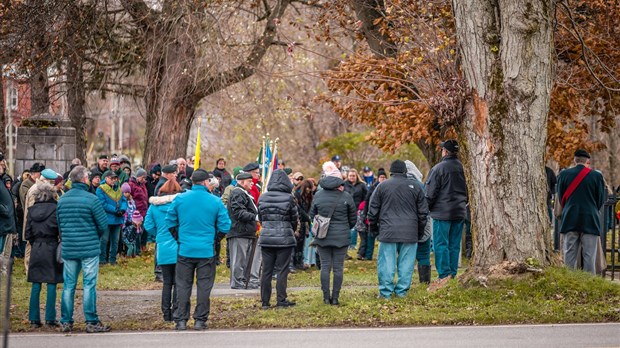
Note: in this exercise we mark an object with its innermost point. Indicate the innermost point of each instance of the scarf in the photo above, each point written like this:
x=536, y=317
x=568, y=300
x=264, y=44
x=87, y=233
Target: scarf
x=114, y=195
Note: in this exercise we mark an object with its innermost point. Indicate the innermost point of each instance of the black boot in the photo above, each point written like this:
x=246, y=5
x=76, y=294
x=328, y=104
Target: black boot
x=326, y=298
x=424, y=273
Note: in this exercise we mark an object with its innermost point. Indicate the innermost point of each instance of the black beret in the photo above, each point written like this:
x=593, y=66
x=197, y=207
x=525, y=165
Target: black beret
x=250, y=167
x=582, y=153
x=200, y=175
x=244, y=176
x=170, y=168
x=37, y=168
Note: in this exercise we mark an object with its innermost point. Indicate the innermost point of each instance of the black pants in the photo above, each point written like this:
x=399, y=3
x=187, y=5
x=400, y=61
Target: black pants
x=279, y=258
x=169, y=292
x=361, y=252
x=204, y=269
x=332, y=259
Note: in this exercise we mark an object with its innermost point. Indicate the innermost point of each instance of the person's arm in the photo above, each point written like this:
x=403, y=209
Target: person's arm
x=238, y=209
x=351, y=211
x=28, y=233
x=374, y=211
x=107, y=207
x=100, y=217
x=223, y=220
x=293, y=213
x=432, y=187
x=422, y=208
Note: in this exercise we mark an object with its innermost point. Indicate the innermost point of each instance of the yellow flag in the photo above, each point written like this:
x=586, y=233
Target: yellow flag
x=197, y=153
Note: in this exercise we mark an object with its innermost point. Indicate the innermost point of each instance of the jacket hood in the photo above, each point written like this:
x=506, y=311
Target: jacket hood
x=280, y=182
x=161, y=200
x=412, y=169
x=43, y=211
x=331, y=182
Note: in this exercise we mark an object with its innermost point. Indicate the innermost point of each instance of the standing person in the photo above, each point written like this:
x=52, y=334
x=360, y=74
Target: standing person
x=81, y=221
x=220, y=167
x=398, y=212
x=43, y=235
x=140, y=196
x=183, y=172
x=446, y=193
x=370, y=237
x=551, y=183
x=423, y=253
x=95, y=181
x=168, y=172
x=582, y=194
x=115, y=205
x=152, y=180
x=102, y=164
x=167, y=247
x=277, y=213
x=369, y=176
x=8, y=218
x=356, y=187
x=115, y=167
x=244, y=214
x=303, y=197
x=195, y=217
x=332, y=200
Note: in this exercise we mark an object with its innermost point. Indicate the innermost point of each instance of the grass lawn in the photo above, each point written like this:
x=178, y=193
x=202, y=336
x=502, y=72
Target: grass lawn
x=555, y=296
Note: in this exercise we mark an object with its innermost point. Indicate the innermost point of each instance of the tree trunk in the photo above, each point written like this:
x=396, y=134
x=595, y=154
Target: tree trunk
x=75, y=103
x=367, y=11
x=3, y=116
x=507, y=50
x=39, y=93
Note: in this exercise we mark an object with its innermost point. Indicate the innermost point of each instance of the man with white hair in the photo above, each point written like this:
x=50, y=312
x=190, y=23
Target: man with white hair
x=183, y=171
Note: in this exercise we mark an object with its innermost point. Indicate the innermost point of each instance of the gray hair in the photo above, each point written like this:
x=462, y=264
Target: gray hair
x=77, y=174
x=76, y=161
x=43, y=192
x=581, y=160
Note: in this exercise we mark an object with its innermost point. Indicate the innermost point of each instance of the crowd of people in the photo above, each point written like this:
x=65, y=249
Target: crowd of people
x=86, y=218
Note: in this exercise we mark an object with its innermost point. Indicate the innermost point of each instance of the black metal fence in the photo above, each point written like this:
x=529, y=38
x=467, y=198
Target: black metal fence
x=609, y=234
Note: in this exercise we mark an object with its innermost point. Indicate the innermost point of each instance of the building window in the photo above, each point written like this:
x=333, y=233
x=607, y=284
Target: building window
x=14, y=98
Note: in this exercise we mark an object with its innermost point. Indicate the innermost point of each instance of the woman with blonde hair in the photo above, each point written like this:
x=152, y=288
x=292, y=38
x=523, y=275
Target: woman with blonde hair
x=357, y=188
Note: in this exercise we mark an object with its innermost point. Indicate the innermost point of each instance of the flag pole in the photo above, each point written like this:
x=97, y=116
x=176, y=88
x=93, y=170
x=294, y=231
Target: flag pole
x=197, y=151
x=273, y=153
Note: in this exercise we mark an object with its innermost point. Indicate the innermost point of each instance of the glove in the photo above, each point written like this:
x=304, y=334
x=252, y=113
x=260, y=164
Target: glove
x=119, y=213
x=175, y=233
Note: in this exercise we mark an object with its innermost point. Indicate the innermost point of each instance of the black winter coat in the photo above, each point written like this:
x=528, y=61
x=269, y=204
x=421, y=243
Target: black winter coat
x=277, y=212
x=398, y=210
x=7, y=211
x=357, y=191
x=242, y=212
x=446, y=190
x=42, y=233
x=344, y=217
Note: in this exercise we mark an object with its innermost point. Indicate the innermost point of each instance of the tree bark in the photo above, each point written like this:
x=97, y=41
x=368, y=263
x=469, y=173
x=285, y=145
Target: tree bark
x=76, y=99
x=507, y=50
x=367, y=11
x=3, y=116
x=39, y=93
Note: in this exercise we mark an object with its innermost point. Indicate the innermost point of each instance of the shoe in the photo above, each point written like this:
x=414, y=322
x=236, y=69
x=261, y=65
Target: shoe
x=286, y=303
x=327, y=301
x=97, y=327
x=265, y=306
x=253, y=286
x=35, y=324
x=168, y=316
x=159, y=278
x=66, y=327
x=335, y=302
x=200, y=325
x=52, y=323
x=438, y=284
x=292, y=270
x=181, y=325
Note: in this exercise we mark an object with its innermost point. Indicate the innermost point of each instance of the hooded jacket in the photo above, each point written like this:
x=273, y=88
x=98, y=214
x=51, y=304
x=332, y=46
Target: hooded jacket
x=42, y=233
x=446, y=190
x=140, y=195
x=344, y=217
x=155, y=225
x=277, y=213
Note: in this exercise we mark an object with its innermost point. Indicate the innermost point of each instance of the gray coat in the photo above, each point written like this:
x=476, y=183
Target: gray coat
x=344, y=217
x=277, y=213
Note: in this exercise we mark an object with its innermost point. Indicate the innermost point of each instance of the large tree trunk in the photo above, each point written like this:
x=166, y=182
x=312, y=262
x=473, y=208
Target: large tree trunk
x=507, y=52
x=76, y=100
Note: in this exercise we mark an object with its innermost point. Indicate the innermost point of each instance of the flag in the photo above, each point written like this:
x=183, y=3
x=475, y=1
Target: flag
x=197, y=153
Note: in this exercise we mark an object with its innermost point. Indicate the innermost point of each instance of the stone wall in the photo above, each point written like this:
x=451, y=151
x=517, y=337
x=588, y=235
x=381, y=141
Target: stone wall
x=54, y=147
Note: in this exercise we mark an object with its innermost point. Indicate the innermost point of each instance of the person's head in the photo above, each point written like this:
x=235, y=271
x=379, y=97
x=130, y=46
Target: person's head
x=127, y=169
x=59, y=182
x=181, y=164
x=236, y=171
x=95, y=178
x=76, y=161
x=306, y=187
x=169, y=172
x=126, y=189
x=253, y=169
x=170, y=187
x=281, y=165
x=244, y=180
x=156, y=172
x=220, y=163
x=35, y=170
x=212, y=183
x=337, y=161
x=581, y=157
x=200, y=177
x=102, y=161
x=353, y=176
x=43, y=192
x=141, y=176
x=191, y=160
x=115, y=164
x=398, y=167
x=8, y=182
x=79, y=174
x=449, y=147
x=381, y=175
x=49, y=175
x=298, y=177
x=330, y=169
x=367, y=171
x=110, y=177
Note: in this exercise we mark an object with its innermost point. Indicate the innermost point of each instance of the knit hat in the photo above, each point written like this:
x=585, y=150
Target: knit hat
x=49, y=174
x=125, y=188
x=413, y=170
x=330, y=169
x=115, y=160
x=140, y=172
x=381, y=171
x=58, y=180
x=236, y=171
x=156, y=169
x=136, y=216
x=93, y=174
x=398, y=167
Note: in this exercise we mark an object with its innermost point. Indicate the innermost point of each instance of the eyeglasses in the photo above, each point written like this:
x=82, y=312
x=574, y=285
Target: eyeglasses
x=299, y=178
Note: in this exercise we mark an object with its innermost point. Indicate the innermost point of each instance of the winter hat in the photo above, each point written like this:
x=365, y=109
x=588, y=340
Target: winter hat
x=156, y=169
x=250, y=167
x=136, y=216
x=381, y=171
x=236, y=171
x=140, y=173
x=58, y=180
x=49, y=174
x=413, y=170
x=93, y=174
x=398, y=167
x=330, y=169
x=243, y=176
x=125, y=188
x=115, y=160
x=450, y=145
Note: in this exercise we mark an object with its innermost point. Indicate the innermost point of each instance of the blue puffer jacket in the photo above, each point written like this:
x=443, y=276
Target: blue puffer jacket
x=198, y=215
x=111, y=207
x=81, y=220
x=155, y=225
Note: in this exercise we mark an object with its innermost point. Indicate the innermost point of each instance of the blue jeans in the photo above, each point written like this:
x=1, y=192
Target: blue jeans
x=423, y=254
x=353, y=239
x=111, y=236
x=50, y=303
x=71, y=270
x=393, y=258
x=370, y=246
x=447, y=244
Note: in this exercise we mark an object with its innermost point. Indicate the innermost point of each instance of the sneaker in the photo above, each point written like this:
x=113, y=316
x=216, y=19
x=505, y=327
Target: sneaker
x=97, y=327
x=200, y=325
x=35, y=324
x=265, y=306
x=181, y=325
x=286, y=303
x=438, y=284
x=66, y=327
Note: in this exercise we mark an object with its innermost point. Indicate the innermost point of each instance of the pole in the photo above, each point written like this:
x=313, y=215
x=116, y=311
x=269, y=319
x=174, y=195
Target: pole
x=11, y=166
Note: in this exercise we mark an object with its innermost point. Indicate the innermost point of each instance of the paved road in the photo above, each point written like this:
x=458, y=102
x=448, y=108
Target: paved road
x=575, y=335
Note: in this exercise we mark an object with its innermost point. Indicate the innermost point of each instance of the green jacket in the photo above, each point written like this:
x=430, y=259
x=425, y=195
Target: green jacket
x=581, y=211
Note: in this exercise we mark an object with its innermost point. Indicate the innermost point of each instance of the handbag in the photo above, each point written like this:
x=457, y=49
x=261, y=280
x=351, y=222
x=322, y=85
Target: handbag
x=320, y=224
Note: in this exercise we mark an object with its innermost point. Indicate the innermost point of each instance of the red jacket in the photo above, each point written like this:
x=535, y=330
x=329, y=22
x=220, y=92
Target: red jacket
x=255, y=191
x=140, y=196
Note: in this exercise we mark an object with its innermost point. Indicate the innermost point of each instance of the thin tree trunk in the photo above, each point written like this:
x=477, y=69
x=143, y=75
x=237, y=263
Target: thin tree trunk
x=507, y=48
x=76, y=99
x=3, y=117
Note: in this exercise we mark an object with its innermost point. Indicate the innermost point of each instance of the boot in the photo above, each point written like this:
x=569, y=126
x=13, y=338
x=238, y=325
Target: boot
x=424, y=273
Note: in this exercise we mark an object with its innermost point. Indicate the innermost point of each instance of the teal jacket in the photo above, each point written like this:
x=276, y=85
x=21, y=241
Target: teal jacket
x=111, y=207
x=581, y=211
x=198, y=215
x=81, y=221
x=155, y=225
